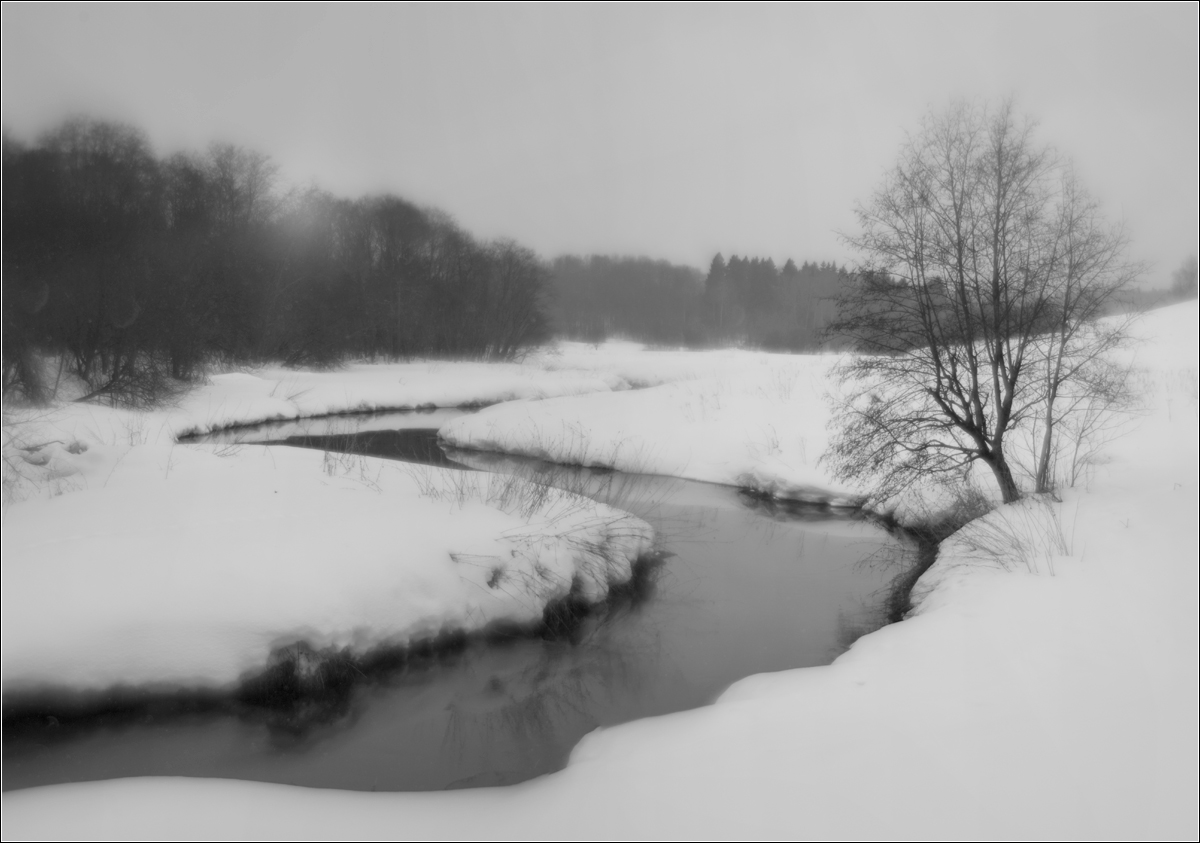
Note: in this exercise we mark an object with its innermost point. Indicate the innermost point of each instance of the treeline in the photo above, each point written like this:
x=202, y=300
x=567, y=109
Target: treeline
x=595, y=298
x=130, y=270
x=1183, y=287
x=745, y=301
x=778, y=309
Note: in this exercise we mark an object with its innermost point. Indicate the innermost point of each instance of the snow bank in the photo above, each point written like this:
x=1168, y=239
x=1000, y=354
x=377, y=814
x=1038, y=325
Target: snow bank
x=273, y=394
x=282, y=394
x=1047, y=693
x=761, y=424
x=135, y=563
x=639, y=366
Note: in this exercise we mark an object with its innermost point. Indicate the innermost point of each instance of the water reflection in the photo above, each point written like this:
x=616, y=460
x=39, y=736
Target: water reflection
x=410, y=435
x=339, y=425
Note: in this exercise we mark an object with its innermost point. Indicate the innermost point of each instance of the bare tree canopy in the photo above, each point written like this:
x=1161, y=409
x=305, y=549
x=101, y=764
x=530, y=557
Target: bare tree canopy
x=985, y=269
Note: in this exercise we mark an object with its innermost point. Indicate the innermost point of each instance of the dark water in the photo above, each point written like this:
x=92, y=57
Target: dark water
x=743, y=588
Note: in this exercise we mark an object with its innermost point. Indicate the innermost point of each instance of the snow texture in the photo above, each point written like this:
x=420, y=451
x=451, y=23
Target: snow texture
x=1045, y=687
x=280, y=394
x=136, y=564
x=760, y=425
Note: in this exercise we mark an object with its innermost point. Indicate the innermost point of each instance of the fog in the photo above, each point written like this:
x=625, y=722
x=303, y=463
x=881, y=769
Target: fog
x=665, y=131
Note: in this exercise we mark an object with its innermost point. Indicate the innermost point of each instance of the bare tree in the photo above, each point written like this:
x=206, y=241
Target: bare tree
x=984, y=268
x=1081, y=386
x=515, y=300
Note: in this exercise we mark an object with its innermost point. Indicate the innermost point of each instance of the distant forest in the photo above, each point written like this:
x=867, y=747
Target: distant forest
x=126, y=272
x=130, y=271
x=745, y=301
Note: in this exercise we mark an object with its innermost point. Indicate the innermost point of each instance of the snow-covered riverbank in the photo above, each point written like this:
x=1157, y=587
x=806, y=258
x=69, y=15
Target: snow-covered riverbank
x=1045, y=687
x=211, y=556
x=761, y=426
x=140, y=562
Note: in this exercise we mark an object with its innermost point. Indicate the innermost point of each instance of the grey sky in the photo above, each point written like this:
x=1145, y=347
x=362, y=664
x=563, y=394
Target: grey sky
x=668, y=131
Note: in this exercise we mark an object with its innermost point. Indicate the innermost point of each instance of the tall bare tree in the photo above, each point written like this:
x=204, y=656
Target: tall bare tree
x=982, y=266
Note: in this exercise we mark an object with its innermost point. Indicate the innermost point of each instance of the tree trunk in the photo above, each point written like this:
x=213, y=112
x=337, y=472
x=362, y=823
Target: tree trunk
x=1043, y=470
x=1009, y=490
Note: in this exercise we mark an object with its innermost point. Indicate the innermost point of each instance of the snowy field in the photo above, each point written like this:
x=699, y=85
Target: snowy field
x=1046, y=686
x=211, y=557
x=761, y=425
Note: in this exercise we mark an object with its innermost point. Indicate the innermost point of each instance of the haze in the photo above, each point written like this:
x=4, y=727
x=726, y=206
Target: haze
x=673, y=132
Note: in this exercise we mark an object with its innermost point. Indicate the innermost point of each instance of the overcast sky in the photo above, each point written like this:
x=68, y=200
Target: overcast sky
x=668, y=131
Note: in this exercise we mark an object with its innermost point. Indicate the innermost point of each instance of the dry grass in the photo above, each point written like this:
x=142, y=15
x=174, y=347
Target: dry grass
x=1024, y=536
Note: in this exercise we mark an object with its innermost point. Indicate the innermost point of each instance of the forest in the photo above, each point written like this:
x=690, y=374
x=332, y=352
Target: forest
x=131, y=272
x=743, y=301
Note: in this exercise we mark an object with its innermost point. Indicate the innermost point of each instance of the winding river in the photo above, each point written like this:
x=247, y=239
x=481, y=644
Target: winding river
x=742, y=587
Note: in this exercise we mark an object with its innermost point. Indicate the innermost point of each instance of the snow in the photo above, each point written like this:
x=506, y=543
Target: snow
x=208, y=557
x=279, y=394
x=334, y=425
x=1045, y=686
x=726, y=416
x=760, y=423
